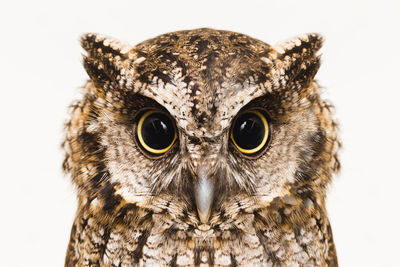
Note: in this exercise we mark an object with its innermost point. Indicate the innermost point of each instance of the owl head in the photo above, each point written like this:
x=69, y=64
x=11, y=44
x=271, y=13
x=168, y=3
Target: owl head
x=201, y=128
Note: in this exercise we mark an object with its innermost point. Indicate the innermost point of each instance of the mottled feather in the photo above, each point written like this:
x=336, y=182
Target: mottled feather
x=267, y=210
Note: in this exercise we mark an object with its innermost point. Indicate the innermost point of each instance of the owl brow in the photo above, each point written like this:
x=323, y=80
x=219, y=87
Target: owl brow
x=138, y=102
x=259, y=102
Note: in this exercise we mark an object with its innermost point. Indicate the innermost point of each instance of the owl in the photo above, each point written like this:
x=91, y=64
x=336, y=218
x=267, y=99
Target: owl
x=201, y=148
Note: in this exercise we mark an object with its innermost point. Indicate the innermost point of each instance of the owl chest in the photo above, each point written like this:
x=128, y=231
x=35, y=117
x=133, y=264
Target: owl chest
x=93, y=245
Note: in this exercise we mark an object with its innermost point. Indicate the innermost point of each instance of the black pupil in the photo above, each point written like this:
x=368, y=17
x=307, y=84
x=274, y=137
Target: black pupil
x=248, y=131
x=158, y=131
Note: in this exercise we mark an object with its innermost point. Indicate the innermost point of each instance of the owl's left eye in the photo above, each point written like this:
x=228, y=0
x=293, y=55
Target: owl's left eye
x=250, y=132
x=155, y=132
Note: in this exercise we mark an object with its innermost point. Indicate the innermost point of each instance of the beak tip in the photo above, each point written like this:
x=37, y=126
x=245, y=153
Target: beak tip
x=203, y=216
x=204, y=194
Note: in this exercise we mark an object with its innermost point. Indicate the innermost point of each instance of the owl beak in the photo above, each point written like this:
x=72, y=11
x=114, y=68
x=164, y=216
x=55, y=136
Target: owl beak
x=204, y=193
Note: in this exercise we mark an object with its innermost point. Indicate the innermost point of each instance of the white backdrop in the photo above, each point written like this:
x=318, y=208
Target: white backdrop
x=40, y=70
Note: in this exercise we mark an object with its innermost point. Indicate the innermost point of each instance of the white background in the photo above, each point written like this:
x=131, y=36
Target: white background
x=40, y=71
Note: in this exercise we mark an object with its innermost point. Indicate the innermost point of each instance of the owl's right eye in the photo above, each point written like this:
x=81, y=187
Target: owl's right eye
x=156, y=132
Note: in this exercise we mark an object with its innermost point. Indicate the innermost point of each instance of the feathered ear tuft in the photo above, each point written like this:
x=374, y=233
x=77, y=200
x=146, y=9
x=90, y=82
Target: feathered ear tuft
x=296, y=62
x=107, y=61
x=304, y=46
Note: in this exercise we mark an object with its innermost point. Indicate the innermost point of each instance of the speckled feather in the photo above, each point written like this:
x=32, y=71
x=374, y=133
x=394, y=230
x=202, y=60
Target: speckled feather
x=137, y=210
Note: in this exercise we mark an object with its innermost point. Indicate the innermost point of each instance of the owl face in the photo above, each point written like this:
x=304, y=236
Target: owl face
x=200, y=127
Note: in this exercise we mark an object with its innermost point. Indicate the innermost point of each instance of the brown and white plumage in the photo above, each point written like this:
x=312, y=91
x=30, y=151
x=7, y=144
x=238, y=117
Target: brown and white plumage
x=267, y=210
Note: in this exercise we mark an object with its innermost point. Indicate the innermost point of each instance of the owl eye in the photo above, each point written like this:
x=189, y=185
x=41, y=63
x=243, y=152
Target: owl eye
x=156, y=132
x=250, y=132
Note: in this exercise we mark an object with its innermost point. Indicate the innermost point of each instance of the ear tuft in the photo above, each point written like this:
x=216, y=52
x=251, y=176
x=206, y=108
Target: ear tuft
x=107, y=61
x=296, y=62
x=306, y=45
x=97, y=45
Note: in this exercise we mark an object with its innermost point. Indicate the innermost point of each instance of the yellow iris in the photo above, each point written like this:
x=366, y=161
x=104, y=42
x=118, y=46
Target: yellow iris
x=264, y=140
x=143, y=143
